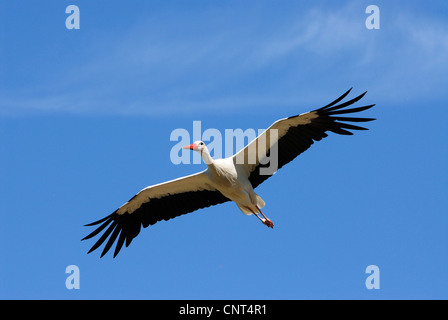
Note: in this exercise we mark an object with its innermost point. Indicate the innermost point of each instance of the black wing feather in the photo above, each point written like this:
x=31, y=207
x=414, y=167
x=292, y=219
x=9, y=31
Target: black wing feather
x=299, y=138
x=127, y=226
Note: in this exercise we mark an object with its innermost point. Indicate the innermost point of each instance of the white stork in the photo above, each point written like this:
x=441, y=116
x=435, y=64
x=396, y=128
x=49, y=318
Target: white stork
x=226, y=179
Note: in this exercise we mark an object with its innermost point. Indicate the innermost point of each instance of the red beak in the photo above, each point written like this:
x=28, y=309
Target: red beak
x=191, y=147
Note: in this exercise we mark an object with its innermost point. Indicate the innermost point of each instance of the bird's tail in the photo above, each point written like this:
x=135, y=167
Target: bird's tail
x=260, y=202
x=248, y=211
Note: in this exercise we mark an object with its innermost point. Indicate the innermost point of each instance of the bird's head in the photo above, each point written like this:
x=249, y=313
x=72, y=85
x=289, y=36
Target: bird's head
x=200, y=147
x=196, y=146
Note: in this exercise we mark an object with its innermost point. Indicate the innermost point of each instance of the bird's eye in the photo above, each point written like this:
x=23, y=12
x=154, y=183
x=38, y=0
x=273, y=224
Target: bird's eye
x=201, y=143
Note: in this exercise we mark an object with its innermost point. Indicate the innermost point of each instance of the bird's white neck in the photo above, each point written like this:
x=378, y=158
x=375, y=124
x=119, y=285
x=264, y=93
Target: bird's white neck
x=205, y=154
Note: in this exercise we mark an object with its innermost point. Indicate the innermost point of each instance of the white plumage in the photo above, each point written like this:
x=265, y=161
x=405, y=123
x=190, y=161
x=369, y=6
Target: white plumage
x=230, y=179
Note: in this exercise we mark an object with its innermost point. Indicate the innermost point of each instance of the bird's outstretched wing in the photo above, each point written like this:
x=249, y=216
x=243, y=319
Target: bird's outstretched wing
x=155, y=203
x=286, y=138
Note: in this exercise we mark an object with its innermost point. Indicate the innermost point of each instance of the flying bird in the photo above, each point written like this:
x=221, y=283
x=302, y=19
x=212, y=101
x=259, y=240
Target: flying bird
x=230, y=179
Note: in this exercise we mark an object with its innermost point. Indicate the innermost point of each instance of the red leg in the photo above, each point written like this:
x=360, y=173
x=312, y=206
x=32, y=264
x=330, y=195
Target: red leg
x=266, y=220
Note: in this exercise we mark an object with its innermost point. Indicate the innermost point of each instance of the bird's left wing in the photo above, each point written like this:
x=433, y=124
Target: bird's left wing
x=155, y=203
x=291, y=136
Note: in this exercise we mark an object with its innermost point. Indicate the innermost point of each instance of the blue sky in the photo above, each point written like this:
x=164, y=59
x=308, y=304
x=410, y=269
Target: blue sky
x=86, y=117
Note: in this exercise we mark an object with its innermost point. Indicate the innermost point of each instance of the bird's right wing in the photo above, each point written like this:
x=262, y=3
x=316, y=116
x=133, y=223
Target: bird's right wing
x=163, y=201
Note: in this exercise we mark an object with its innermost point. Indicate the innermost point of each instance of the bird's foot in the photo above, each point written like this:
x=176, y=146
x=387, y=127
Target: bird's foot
x=268, y=223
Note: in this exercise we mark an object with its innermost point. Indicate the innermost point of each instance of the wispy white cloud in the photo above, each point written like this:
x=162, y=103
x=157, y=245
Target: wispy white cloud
x=158, y=67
